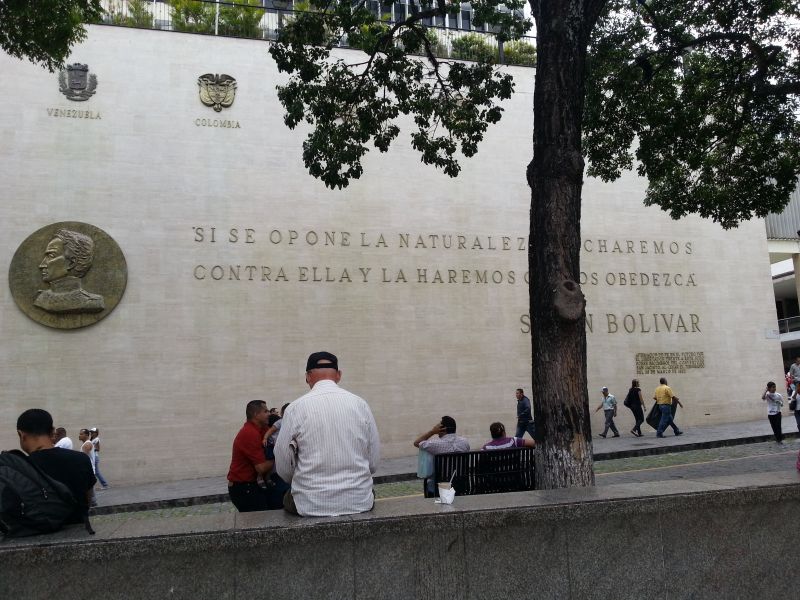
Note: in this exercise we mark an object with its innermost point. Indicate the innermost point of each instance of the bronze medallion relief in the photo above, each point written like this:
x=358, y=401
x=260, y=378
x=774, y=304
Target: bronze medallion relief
x=68, y=275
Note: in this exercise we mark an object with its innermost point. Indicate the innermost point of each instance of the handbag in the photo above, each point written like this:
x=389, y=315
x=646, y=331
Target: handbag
x=424, y=464
x=793, y=404
x=629, y=400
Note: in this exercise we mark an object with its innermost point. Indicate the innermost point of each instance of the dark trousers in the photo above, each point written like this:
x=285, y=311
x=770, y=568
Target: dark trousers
x=797, y=418
x=248, y=497
x=523, y=426
x=638, y=414
x=775, y=421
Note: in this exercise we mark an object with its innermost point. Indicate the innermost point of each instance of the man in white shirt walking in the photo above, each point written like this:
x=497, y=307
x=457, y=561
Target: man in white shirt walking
x=328, y=446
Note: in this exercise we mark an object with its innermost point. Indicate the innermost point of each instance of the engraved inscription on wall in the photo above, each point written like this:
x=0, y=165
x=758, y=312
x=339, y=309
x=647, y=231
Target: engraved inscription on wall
x=657, y=363
x=447, y=258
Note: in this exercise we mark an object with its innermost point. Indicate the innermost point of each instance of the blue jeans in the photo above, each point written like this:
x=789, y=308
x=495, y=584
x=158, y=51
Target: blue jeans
x=522, y=427
x=666, y=419
x=97, y=472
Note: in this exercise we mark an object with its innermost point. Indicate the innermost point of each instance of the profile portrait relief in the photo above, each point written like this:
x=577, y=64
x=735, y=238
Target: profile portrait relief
x=67, y=258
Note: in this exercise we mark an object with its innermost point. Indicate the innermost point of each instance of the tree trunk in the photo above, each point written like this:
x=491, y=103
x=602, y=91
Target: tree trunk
x=557, y=307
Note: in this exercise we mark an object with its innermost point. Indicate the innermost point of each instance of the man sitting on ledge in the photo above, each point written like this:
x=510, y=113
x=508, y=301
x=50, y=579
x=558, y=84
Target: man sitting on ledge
x=328, y=446
x=248, y=462
x=73, y=469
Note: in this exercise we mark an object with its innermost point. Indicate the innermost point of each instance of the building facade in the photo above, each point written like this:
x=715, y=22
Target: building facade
x=239, y=264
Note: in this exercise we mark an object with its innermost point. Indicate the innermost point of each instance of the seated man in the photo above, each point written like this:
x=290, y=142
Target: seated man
x=73, y=469
x=328, y=446
x=248, y=461
x=446, y=440
x=500, y=441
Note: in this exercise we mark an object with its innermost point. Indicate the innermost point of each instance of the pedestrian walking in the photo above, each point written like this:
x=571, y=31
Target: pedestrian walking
x=85, y=437
x=609, y=406
x=524, y=415
x=794, y=373
x=795, y=408
x=774, y=403
x=665, y=399
x=635, y=403
x=95, y=433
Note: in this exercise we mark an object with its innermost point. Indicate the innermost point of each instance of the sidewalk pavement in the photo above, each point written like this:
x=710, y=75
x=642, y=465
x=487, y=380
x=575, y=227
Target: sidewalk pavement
x=186, y=492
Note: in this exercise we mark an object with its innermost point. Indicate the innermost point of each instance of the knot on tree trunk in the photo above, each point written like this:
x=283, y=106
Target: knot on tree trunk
x=569, y=300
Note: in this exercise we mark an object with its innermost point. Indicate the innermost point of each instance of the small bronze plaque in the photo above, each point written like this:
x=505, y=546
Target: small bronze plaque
x=68, y=275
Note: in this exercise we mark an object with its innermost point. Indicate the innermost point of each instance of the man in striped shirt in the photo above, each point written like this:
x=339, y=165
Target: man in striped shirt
x=328, y=446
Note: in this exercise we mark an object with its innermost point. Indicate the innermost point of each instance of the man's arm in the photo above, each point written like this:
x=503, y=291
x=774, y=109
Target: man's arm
x=528, y=443
x=437, y=429
x=272, y=429
x=374, y=443
x=284, y=453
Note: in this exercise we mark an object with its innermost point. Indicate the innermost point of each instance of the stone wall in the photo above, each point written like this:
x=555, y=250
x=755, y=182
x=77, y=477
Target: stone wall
x=240, y=265
x=726, y=537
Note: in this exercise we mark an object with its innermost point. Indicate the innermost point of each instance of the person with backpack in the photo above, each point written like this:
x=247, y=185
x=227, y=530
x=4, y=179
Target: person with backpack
x=48, y=488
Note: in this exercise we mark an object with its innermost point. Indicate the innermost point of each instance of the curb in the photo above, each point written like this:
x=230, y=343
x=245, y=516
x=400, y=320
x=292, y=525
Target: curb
x=399, y=477
x=753, y=439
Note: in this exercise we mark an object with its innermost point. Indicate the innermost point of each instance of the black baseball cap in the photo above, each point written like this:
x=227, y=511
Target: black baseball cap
x=322, y=360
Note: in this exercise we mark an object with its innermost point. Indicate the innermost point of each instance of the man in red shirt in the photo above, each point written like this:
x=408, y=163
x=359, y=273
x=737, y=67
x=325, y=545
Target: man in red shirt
x=248, y=460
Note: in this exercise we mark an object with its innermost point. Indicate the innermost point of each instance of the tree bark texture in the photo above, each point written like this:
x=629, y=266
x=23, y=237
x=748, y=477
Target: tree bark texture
x=557, y=306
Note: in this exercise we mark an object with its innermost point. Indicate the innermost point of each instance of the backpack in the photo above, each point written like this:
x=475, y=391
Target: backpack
x=31, y=502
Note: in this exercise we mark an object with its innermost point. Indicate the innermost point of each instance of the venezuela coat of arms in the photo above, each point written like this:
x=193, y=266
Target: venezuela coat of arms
x=76, y=83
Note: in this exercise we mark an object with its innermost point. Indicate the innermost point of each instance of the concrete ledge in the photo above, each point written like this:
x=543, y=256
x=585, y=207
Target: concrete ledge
x=716, y=538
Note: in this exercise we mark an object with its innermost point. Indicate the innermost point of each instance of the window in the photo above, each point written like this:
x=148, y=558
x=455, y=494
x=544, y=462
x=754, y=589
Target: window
x=466, y=19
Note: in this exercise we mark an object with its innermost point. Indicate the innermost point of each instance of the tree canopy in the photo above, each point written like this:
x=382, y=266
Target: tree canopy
x=704, y=96
x=354, y=105
x=44, y=31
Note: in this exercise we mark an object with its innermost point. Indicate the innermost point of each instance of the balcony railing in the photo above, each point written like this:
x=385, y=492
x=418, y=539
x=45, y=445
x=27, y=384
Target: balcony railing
x=789, y=325
x=453, y=36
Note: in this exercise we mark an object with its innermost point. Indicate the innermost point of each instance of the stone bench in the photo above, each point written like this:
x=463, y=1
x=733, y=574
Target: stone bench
x=708, y=538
